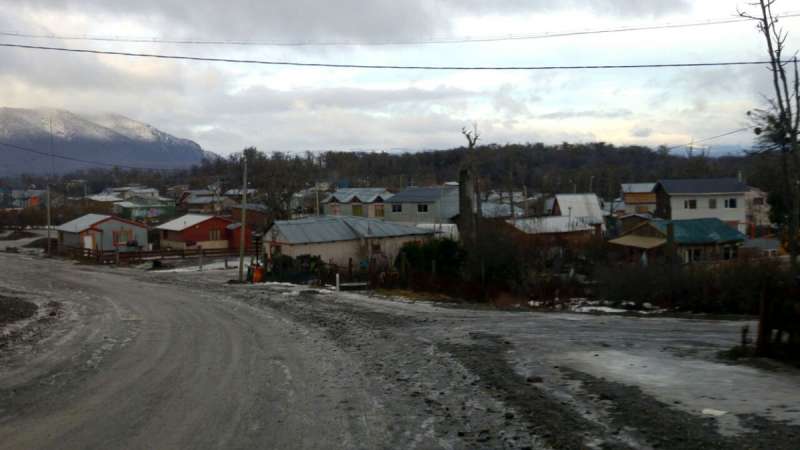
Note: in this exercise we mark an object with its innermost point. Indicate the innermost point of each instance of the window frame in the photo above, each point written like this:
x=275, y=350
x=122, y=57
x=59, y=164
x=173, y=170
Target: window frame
x=422, y=208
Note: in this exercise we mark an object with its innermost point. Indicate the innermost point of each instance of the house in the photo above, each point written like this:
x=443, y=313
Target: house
x=195, y=231
x=102, y=232
x=579, y=207
x=359, y=202
x=233, y=234
x=146, y=209
x=757, y=209
x=695, y=240
x=437, y=204
x=703, y=198
x=203, y=201
x=341, y=240
x=761, y=248
x=557, y=231
x=257, y=215
x=236, y=194
x=127, y=192
x=28, y=198
x=639, y=198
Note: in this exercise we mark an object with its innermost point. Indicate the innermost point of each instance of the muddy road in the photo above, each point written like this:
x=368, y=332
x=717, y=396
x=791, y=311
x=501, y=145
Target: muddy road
x=182, y=360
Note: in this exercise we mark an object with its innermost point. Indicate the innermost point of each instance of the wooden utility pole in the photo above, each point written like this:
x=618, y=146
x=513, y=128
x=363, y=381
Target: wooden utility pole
x=243, y=227
x=52, y=170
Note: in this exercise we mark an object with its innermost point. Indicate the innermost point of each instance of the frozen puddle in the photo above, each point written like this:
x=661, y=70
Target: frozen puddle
x=702, y=387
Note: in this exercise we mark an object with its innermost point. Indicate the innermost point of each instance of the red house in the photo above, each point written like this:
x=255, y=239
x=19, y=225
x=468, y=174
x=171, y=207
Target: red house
x=234, y=236
x=195, y=231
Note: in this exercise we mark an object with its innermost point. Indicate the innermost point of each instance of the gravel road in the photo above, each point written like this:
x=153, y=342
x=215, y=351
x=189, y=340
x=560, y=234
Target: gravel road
x=135, y=359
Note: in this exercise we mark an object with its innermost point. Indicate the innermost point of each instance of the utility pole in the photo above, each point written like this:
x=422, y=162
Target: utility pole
x=52, y=169
x=243, y=227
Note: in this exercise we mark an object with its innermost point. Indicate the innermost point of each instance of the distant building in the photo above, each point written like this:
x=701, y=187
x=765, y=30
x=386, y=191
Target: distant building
x=762, y=248
x=341, y=240
x=145, y=209
x=203, y=201
x=757, y=209
x=438, y=204
x=703, y=198
x=695, y=240
x=28, y=198
x=102, y=232
x=358, y=202
x=639, y=198
x=257, y=215
x=557, y=230
x=583, y=208
x=195, y=231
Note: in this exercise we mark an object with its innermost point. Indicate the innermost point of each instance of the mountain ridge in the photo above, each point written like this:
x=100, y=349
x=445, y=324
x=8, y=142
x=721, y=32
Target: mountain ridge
x=107, y=139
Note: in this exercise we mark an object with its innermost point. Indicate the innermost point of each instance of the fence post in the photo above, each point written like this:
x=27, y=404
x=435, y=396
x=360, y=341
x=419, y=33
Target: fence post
x=116, y=257
x=337, y=281
x=202, y=253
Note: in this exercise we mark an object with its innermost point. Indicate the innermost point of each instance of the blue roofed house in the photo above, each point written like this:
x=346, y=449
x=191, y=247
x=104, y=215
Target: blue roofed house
x=341, y=240
x=102, y=232
x=359, y=202
x=424, y=205
x=695, y=240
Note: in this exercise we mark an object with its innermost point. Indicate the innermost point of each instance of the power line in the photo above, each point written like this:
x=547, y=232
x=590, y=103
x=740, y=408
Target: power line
x=381, y=66
x=96, y=163
x=740, y=130
x=455, y=40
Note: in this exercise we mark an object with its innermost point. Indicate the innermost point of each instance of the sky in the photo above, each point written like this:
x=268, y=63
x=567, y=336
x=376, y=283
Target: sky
x=226, y=107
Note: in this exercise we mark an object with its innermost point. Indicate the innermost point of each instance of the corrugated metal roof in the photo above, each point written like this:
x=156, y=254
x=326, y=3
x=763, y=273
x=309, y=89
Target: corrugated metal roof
x=340, y=228
x=581, y=206
x=82, y=223
x=550, y=224
x=363, y=195
x=105, y=198
x=763, y=244
x=700, y=231
x=423, y=194
x=637, y=188
x=643, y=242
x=184, y=222
x=703, y=186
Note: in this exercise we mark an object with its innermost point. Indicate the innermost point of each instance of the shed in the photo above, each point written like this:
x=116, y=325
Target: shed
x=102, y=232
x=582, y=207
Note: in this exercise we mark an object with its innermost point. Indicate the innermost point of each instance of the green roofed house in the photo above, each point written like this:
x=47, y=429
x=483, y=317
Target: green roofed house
x=145, y=209
x=696, y=240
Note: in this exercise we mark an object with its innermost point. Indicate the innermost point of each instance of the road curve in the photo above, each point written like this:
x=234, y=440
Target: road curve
x=138, y=365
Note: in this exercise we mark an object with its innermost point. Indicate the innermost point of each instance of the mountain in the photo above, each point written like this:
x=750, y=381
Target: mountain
x=109, y=139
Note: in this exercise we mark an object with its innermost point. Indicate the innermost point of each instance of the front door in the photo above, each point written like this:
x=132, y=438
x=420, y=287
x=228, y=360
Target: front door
x=88, y=242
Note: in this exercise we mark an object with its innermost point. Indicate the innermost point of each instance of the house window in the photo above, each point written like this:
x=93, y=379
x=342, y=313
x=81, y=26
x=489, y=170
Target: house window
x=730, y=203
x=693, y=255
x=690, y=204
x=122, y=237
x=214, y=235
x=397, y=208
x=335, y=210
x=712, y=203
x=728, y=253
x=358, y=210
x=376, y=248
x=378, y=210
x=758, y=201
x=422, y=208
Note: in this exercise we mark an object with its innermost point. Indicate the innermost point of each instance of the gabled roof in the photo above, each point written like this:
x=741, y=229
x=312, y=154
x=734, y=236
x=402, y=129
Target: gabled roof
x=186, y=221
x=582, y=206
x=637, y=188
x=88, y=221
x=339, y=228
x=702, y=186
x=550, y=225
x=423, y=194
x=699, y=231
x=362, y=195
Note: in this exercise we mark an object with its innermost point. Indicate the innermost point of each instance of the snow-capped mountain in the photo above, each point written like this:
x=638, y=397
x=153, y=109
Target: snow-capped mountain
x=109, y=139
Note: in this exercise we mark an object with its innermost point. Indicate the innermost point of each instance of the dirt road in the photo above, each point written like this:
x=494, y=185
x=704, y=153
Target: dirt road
x=182, y=360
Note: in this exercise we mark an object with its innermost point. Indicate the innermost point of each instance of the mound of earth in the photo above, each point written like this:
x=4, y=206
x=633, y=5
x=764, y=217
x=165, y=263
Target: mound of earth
x=17, y=235
x=14, y=309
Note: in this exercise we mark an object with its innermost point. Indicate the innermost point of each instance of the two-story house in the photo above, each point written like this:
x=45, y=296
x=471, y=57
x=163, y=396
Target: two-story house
x=359, y=202
x=703, y=198
x=639, y=198
x=421, y=205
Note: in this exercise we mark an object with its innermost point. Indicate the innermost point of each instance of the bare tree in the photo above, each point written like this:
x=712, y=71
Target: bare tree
x=779, y=125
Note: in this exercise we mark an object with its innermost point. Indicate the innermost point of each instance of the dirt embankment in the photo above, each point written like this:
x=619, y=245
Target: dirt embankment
x=13, y=309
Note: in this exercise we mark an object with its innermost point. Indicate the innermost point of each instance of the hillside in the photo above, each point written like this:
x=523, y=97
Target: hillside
x=109, y=139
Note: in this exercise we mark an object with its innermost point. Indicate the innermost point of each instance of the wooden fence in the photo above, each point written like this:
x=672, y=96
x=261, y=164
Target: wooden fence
x=114, y=257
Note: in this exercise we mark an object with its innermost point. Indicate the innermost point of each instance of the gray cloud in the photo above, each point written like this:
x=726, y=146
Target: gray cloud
x=595, y=114
x=641, y=132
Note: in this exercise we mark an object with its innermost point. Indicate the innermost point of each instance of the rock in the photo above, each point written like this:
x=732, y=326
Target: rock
x=534, y=379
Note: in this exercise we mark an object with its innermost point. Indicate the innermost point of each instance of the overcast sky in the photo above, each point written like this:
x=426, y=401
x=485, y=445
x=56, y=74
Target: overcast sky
x=225, y=107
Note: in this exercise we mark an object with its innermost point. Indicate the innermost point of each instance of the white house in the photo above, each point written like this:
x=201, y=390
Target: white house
x=584, y=208
x=703, y=198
